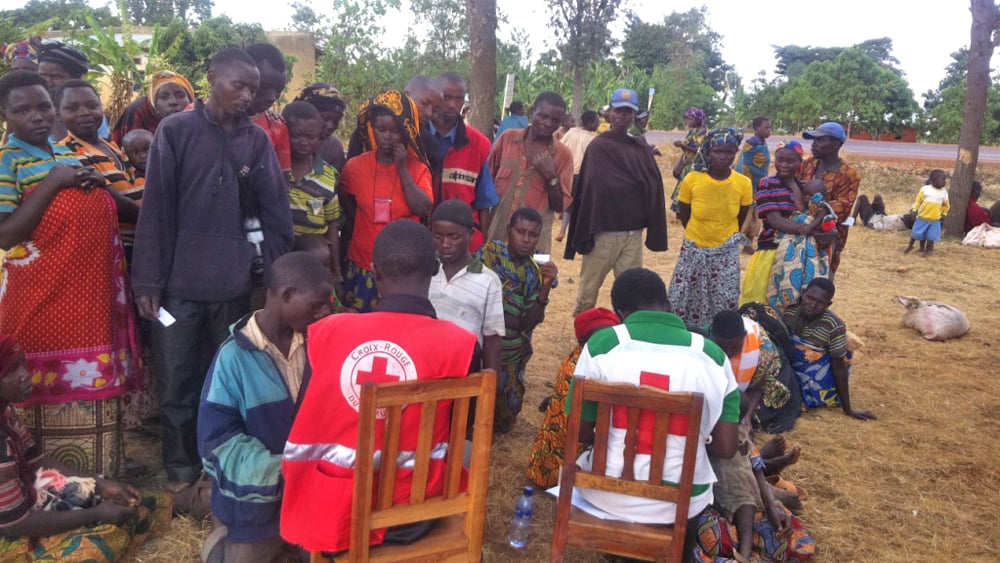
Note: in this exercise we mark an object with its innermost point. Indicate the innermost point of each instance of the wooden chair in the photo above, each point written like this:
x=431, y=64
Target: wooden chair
x=643, y=541
x=458, y=535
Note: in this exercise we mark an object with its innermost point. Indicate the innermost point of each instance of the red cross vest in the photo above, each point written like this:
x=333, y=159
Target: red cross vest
x=346, y=350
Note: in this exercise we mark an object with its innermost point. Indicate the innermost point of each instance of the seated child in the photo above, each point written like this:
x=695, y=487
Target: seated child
x=745, y=522
x=49, y=512
x=976, y=214
x=247, y=406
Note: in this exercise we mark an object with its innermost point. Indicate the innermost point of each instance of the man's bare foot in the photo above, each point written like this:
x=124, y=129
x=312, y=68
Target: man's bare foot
x=774, y=465
x=774, y=447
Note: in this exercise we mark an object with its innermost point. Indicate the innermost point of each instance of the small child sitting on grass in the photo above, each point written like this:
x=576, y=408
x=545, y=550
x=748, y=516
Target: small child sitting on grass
x=931, y=207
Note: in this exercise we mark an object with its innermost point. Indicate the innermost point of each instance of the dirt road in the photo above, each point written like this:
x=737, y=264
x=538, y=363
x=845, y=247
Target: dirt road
x=869, y=149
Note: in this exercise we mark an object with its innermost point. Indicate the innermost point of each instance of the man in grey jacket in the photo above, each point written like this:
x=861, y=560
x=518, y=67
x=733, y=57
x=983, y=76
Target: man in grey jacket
x=193, y=256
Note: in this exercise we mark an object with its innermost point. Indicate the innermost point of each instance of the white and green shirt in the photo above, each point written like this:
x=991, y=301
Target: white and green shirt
x=654, y=348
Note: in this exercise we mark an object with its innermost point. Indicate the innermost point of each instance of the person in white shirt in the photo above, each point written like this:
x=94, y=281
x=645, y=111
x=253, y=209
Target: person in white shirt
x=464, y=291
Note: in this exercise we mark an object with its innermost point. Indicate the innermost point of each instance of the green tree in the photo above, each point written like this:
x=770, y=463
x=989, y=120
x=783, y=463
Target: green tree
x=446, y=34
x=683, y=38
x=853, y=89
x=943, y=122
x=954, y=75
x=353, y=57
x=194, y=48
x=677, y=88
x=150, y=12
x=793, y=59
x=583, y=32
x=51, y=15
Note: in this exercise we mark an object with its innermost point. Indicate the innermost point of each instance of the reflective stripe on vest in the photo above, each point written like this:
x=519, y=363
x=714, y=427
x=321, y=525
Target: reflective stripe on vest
x=344, y=456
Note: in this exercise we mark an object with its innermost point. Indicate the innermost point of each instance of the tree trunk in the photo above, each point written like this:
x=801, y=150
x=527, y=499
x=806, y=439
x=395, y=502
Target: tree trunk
x=483, y=53
x=981, y=45
x=577, y=108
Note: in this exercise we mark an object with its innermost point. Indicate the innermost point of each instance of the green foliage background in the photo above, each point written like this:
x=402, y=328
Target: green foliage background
x=860, y=86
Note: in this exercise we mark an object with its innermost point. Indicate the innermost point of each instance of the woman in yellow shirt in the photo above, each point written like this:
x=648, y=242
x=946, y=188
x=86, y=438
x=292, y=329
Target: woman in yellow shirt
x=712, y=203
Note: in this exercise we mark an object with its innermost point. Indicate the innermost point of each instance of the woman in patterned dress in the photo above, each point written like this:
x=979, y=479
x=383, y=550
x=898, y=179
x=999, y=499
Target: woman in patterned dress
x=64, y=294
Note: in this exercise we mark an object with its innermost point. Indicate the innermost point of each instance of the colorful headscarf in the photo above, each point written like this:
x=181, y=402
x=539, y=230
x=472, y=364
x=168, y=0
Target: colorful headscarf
x=698, y=114
x=162, y=78
x=593, y=319
x=71, y=59
x=714, y=138
x=323, y=96
x=793, y=144
x=10, y=353
x=27, y=49
x=405, y=110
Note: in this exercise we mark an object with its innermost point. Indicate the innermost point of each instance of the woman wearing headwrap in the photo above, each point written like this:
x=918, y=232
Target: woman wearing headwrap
x=712, y=203
x=48, y=512
x=695, y=119
x=169, y=93
x=63, y=285
x=387, y=182
x=326, y=98
x=57, y=63
x=778, y=198
x=22, y=55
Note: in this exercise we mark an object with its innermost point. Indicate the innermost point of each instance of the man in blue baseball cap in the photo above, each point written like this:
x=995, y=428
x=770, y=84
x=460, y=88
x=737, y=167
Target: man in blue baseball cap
x=842, y=180
x=620, y=194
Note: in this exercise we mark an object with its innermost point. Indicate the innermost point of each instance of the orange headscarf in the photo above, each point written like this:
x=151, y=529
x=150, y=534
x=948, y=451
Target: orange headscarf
x=164, y=77
x=405, y=110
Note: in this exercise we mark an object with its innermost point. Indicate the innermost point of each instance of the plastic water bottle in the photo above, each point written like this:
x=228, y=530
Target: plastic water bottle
x=523, y=511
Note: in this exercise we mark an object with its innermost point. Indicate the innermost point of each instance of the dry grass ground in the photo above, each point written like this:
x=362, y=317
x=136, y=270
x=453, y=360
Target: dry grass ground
x=920, y=484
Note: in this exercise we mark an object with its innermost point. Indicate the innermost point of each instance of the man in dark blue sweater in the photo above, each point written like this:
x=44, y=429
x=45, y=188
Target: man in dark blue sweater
x=193, y=256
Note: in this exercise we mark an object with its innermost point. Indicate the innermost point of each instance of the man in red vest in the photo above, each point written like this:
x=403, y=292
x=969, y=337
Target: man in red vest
x=401, y=340
x=465, y=175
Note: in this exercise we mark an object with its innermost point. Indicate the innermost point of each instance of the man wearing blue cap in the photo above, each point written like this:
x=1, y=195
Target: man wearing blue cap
x=842, y=180
x=621, y=193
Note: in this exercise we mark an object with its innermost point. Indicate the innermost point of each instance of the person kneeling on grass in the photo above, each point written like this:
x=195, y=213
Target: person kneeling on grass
x=50, y=513
x=251, y=393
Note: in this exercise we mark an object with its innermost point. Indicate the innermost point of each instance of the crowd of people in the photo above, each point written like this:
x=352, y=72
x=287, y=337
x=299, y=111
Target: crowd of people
x=267, y=274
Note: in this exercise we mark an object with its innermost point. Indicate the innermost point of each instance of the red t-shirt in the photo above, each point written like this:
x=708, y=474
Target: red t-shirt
x=368, y=181
x=277, y=131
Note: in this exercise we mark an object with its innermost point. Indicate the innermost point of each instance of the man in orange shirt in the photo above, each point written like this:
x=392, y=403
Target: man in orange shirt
x=532, y=169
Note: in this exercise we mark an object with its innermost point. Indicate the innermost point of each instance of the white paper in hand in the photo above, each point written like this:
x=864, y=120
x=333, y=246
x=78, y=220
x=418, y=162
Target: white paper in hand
x=165, y=318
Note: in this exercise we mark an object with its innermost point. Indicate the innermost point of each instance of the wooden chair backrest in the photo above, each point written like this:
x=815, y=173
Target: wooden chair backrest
x=393, y=397
x=641, y=403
